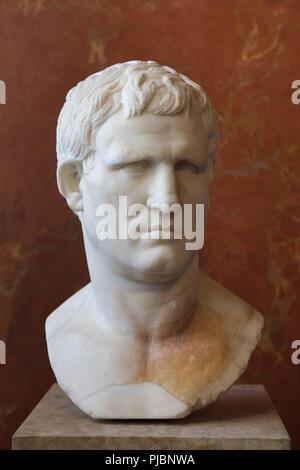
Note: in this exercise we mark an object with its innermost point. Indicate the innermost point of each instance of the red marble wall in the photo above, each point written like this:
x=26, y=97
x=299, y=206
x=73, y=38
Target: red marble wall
x=245, y=54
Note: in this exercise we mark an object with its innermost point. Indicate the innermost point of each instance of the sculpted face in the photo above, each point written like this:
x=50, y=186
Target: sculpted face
x=152, y=159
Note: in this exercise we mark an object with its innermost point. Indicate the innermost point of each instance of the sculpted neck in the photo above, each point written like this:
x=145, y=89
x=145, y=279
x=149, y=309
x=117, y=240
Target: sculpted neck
x=127, y=307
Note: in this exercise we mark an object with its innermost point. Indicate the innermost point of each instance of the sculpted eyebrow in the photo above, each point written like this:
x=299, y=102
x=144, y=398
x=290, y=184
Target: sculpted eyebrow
x=117, y=160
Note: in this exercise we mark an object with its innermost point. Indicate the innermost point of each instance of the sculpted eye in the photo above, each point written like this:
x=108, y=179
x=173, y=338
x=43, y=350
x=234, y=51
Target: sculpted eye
x=135, y=167
x=188, y=167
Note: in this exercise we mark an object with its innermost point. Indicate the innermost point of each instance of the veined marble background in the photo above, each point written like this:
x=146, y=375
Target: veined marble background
x=245, y=53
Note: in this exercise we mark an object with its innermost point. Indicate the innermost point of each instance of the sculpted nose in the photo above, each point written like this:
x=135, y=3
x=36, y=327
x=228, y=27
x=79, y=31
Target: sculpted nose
x=163, y=189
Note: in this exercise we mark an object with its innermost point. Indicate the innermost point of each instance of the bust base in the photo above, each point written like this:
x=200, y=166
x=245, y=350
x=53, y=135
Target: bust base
x=243, y=418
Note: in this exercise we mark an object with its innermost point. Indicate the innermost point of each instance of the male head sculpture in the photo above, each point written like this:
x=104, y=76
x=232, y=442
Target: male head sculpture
x=150, y=336
x=109, y=103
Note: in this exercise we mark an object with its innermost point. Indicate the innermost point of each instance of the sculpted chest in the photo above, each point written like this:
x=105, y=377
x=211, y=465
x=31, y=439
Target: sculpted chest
x=162, y=378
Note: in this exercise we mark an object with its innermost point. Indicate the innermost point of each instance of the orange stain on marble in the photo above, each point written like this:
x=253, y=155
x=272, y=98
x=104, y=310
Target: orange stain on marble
x=187, y=363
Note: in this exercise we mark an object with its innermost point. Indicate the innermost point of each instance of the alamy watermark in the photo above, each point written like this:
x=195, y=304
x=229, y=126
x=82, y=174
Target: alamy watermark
x=295, y=97
x=2, y=352
x=2, y=343
x=2, y=92
x=296, y=354
x=139, y=222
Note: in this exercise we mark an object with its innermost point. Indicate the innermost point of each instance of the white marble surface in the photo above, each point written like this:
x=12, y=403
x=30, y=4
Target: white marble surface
x=150, y=336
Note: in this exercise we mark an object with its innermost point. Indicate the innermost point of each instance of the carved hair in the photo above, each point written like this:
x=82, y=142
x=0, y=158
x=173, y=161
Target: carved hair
x=137, y=87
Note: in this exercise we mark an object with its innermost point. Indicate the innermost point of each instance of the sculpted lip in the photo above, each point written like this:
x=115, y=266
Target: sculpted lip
x=160, y=230
x=171, y=233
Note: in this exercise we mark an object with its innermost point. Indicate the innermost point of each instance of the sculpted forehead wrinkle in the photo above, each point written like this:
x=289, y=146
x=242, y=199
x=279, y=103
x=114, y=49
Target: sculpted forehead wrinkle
x=151, y=134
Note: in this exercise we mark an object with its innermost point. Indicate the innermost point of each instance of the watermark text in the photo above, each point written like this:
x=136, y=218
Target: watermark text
x=140, y=222
x=296, y=354
x=2, y=352
x=2, y=92
x=295, y=97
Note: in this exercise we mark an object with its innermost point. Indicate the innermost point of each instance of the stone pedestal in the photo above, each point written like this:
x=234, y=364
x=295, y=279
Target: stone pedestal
x=242, y=418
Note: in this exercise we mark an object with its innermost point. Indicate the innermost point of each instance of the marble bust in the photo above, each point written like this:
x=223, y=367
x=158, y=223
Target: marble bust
x=151, y=336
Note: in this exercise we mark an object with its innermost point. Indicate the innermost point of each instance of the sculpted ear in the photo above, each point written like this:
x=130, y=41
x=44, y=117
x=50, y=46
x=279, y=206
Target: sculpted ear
x=68, y=179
